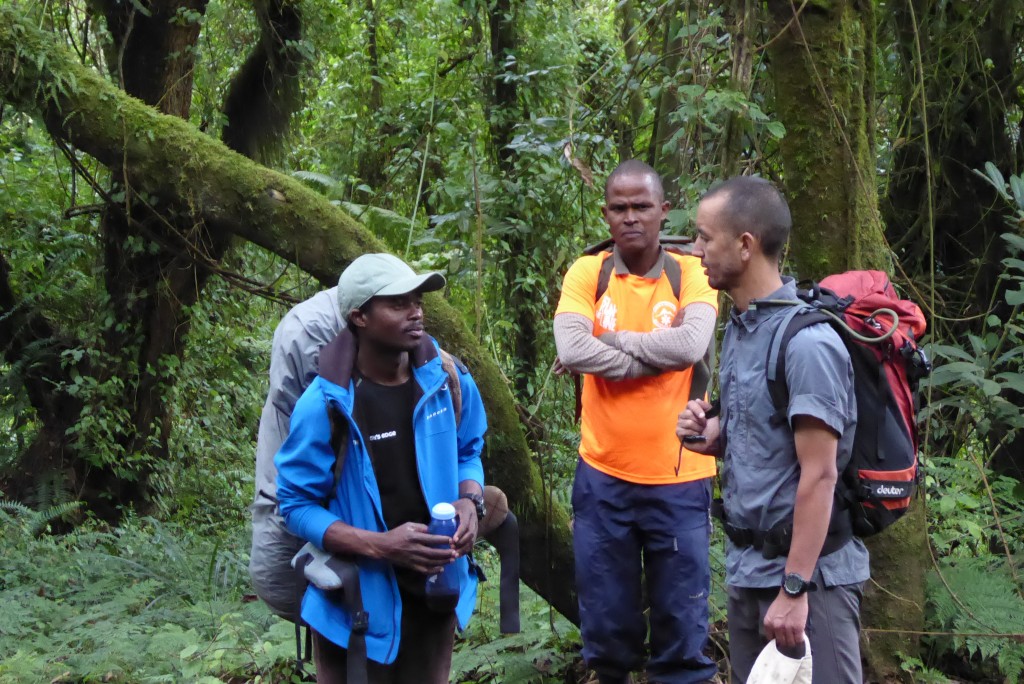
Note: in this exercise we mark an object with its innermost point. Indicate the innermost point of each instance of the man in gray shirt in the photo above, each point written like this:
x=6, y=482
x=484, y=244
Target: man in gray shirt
x=787, y=574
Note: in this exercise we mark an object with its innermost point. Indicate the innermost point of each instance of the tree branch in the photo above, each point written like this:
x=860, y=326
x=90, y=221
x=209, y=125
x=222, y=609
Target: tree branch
x=168, y=158
x=264, y=93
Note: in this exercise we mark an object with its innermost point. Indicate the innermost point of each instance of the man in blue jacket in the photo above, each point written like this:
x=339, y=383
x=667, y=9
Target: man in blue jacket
x=381, y=388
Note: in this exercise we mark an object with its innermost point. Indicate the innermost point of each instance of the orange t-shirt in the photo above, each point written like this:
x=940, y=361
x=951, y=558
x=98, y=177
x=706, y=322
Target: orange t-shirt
x=629, y=426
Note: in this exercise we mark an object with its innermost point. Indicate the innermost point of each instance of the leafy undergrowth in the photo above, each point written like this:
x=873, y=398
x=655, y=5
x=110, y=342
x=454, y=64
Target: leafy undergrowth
x=142, y=603
x=151, y=602
x=546, y=650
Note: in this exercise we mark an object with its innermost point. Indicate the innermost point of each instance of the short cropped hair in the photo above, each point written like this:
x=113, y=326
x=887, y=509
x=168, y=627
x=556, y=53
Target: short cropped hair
x=635, y=167
x=754, y=205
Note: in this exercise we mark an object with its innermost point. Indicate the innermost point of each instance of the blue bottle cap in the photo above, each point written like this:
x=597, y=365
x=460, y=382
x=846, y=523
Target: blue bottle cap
x=443, y=511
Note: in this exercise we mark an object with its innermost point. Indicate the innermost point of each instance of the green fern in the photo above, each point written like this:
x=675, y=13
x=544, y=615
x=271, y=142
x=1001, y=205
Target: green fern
x=994, y=605
x=34, y=523
x=315, y=177
x=144, y=602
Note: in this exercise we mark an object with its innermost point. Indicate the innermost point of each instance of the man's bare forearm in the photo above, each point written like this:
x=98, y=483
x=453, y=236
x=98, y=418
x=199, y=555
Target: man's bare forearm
x=811, y=516
x=344, y=539
x=816, y=448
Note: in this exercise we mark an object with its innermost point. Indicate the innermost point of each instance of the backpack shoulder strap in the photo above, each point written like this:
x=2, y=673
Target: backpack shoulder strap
x=339, y=441
x=604, y=276
x=336, y=360
x=800, y=316
x=451, y=365
x=674, y=273
x=347, y=568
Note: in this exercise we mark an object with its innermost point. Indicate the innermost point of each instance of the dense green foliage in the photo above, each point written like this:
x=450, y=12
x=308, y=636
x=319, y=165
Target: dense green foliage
x=154, y=602
x=472, y=138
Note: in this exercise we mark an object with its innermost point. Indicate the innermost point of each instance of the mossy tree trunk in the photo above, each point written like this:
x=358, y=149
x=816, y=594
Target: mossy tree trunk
x=820, y=65
x=156, y=260
x=632, y=112
x=664, y=155
x=503, y=98
x=148, y=284
x=741, y=46
x=374, y=158
x=230, y=195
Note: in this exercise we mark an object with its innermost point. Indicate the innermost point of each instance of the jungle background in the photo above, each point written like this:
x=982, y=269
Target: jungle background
x=174, y=174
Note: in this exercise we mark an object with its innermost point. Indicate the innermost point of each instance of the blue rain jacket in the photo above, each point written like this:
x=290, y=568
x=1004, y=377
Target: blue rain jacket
x=445, y=456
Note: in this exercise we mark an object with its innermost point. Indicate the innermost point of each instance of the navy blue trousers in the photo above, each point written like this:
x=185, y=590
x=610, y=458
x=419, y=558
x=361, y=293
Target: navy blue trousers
x=624, y=532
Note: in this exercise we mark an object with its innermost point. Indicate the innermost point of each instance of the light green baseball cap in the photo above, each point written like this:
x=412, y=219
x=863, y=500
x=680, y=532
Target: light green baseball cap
x=380, y=275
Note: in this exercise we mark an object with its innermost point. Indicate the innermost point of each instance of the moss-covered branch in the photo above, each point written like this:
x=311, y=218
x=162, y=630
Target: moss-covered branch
x=167, y=158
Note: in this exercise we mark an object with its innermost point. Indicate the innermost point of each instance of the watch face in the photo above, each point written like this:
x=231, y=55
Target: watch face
x=478, y=502
x=794, y=584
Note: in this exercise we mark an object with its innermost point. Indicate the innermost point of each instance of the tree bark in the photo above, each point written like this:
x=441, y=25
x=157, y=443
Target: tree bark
x=504, y=111
x=167, y=158
x=739, y=80
x=373, y=157
x=669, y=163
x=818, y=65
x=633, y=110
x=151, y=55
x=264, y=93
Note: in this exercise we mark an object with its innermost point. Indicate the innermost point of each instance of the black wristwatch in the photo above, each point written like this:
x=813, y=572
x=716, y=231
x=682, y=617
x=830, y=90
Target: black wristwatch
x=478, y=501
x=794, y=585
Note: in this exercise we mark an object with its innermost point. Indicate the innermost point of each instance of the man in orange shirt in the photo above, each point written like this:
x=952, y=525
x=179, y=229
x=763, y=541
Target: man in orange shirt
x=640, y=504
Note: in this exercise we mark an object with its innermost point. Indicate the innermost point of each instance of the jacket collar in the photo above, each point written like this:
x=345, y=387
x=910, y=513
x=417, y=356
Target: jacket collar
x=338, y=357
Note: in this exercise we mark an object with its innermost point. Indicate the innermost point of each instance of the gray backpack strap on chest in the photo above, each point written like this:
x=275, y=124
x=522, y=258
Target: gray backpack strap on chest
x=671, y=267
x=451, y=364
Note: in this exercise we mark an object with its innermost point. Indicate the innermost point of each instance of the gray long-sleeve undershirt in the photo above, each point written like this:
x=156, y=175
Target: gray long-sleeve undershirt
x=634, y=354
x=673, y=348
x=581, y=352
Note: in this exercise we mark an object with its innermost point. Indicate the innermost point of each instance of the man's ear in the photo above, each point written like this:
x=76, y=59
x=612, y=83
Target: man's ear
x=357, y=318
x=748, y=245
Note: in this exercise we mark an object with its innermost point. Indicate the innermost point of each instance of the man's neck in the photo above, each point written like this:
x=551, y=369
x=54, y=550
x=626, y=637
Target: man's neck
x=758, y=284
x=382, y=366
x=640, y=264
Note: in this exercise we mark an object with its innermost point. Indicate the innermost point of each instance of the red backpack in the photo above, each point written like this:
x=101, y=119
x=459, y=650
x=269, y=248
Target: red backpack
x=880, y=331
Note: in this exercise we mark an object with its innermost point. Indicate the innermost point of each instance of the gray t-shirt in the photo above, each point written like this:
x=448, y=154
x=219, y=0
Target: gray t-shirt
x=760, y=470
